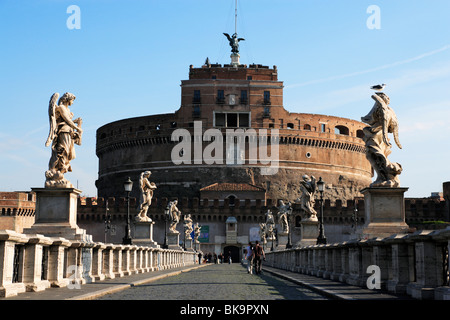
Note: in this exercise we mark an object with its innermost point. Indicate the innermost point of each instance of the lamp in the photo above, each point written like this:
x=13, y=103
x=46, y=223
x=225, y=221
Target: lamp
x=320, y=185
x=166, y=217
x=128, y=186
x=321, y=238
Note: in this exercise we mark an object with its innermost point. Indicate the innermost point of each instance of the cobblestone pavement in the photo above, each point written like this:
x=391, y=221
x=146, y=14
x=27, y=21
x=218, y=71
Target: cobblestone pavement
x=217, y=282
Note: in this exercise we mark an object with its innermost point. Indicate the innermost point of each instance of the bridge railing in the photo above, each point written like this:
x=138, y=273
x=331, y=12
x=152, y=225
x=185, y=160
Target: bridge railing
x=415, y=264
x=35, y=262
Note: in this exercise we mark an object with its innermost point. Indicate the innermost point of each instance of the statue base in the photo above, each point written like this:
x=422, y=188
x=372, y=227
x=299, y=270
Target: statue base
x=173, y=240
x=384, y=212
x=283, y=239
x=188, y=245
x=309, y=233
x=235, y=59
x=143, y=234
x=270, y=245
x=56, y=214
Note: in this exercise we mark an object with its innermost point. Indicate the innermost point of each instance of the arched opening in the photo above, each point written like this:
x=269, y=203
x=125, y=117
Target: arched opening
x=233, y=252
x=341, y=130
x=360, y=134
x=231, y=199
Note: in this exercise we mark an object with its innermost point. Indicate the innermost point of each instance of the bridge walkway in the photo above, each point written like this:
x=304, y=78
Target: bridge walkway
x=212, y=282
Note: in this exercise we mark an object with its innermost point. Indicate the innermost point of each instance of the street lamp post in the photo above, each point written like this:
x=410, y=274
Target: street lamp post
x=288, y=215
x=355, y=215
x=128, y=186
x=166, y=217
x=184, y=240
x=107, y=220
x=321, y=239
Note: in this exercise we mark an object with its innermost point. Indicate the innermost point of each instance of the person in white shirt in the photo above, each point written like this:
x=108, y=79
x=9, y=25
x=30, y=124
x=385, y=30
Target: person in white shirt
x=249, y=257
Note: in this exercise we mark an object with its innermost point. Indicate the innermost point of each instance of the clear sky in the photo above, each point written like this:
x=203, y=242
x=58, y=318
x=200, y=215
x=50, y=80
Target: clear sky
x=128, y=58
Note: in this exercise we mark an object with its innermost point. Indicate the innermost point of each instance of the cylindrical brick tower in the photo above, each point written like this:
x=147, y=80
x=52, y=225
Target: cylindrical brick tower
x=245, y=101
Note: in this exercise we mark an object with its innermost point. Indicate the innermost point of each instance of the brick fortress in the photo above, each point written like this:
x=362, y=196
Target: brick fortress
x=236, y=96
x=226, y=97
x=221, y=98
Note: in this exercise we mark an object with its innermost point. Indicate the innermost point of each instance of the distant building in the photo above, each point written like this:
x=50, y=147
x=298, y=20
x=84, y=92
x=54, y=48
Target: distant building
x=17, y=210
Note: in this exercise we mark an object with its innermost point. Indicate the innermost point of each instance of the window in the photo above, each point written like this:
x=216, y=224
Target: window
x=290, y=126
x=244, y=120
x=196, y=112
x=197, y=98
x=266, y=97
x=231, y=200
x=249, y=78
x=266, y=112
x=323, y=127
x=307, y=127
x=220, y=120
x=232, y=120
x=341, y=130
x=360, y=134
x=244, y=97
x=220, y=96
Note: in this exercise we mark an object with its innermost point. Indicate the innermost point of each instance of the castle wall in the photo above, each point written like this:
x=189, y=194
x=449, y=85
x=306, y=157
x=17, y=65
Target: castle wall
x=339, y=159
x=17, y=210
x=339, y=223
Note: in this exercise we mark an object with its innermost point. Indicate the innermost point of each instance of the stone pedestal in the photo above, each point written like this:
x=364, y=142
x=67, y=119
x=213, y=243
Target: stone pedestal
x=235, y=59
x=56, y=214
x=143, y=234
x=173, y=240
x=196, y=245
x=189, y=243
x=282, y=241
x=270, y=243
x=384, y=212
x=309, y=233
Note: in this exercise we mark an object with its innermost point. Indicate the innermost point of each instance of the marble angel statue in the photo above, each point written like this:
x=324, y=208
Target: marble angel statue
x=63, y=135
x=382, y=121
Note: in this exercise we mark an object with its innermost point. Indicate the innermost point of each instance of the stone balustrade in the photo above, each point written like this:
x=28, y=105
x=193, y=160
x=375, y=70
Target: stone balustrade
x=33, y=262
x=415, y=264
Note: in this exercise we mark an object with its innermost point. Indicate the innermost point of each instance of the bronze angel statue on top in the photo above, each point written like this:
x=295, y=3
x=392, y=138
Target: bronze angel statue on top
x=234, y=42
x=64, y=134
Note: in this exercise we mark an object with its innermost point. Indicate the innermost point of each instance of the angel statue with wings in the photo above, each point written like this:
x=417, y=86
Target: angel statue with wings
x=382, y=120
x=308, y=187
x=284, y=214
x=174, y=215
x=64, y=133
x=234, y=42
x=146, y=196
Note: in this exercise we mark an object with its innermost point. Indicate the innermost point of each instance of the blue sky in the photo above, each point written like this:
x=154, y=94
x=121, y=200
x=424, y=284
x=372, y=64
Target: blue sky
x=129, y=57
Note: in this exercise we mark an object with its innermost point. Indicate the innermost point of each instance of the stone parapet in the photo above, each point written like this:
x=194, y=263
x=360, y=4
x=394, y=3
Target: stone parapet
x=33, y=262
x=416, y=264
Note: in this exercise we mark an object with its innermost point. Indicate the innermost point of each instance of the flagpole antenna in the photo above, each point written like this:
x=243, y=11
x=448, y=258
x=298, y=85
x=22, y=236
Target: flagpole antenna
x=235, y=17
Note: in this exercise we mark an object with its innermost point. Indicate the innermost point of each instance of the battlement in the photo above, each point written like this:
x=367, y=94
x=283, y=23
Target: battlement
x=417, y=209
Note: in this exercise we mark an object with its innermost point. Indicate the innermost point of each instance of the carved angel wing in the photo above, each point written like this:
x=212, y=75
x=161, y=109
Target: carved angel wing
x=52, y=119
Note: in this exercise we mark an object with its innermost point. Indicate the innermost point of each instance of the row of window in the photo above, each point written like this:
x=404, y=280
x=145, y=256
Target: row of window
x=220, y=97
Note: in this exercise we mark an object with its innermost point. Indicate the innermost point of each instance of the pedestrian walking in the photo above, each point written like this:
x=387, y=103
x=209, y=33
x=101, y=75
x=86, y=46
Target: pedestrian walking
x=229, y=257
x=259, y=257
x=250, y=255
